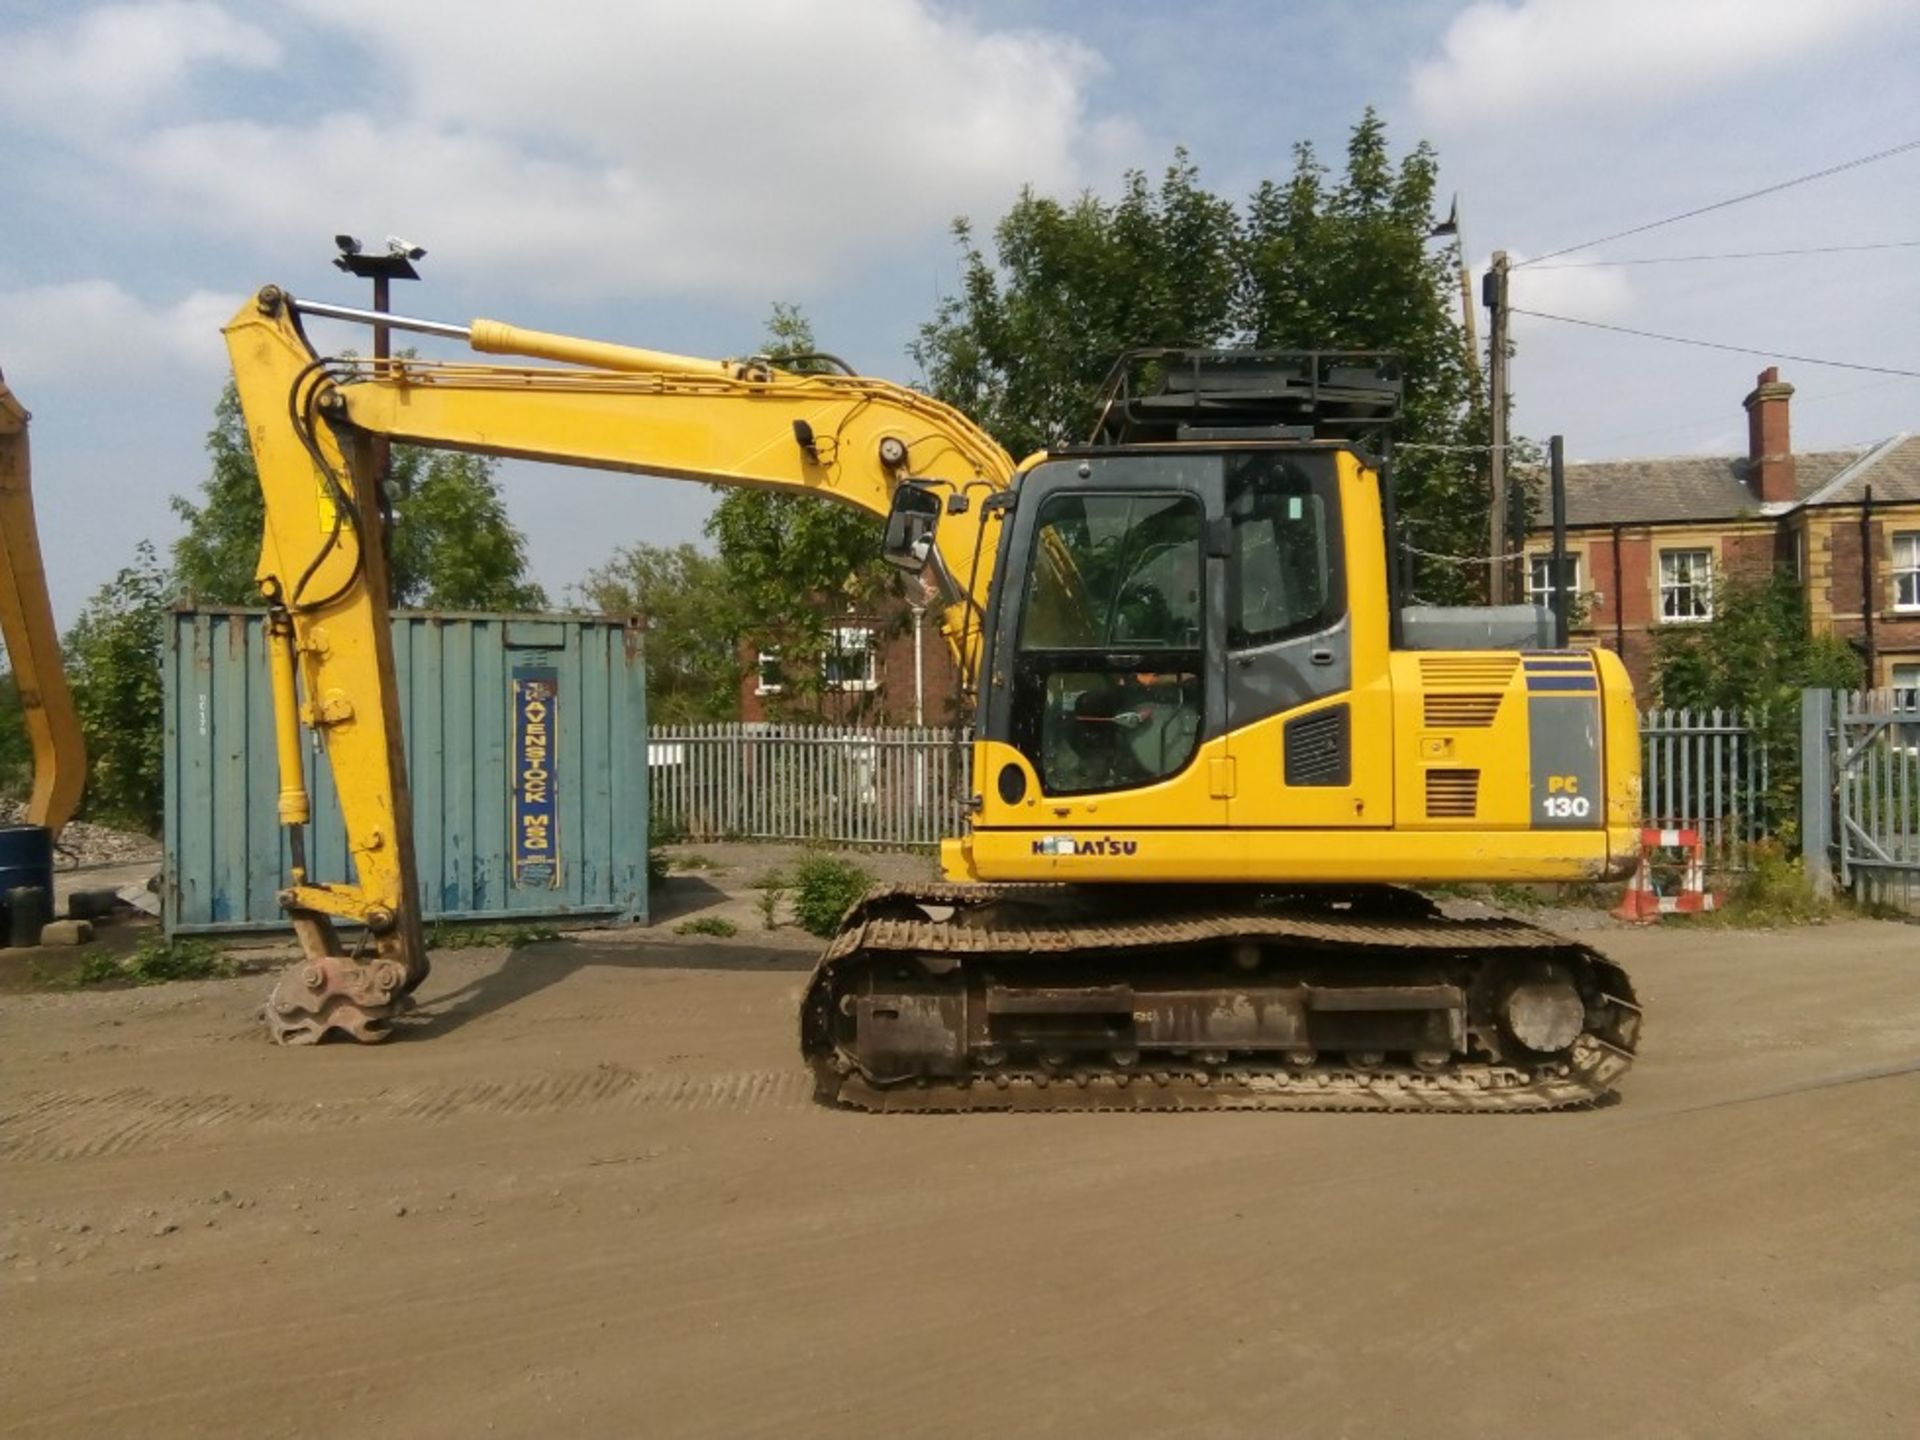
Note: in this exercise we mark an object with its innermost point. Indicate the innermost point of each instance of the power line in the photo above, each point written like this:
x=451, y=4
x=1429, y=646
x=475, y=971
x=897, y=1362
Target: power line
x=1723, y=204
x=1716, y=345
x=1725, y=255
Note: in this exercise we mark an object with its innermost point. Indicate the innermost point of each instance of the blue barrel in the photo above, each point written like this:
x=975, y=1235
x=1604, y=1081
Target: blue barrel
x=26, y=863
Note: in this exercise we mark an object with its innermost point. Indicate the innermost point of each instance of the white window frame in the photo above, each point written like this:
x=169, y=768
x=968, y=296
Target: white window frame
x=1540, y=568
x=1905, y=677
x=761, y=660
x=846, y=643
x=1698, y=584
x=1906, y=570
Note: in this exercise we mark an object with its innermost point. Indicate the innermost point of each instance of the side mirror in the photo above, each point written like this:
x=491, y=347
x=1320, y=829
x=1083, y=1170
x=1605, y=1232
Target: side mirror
x=910, y=526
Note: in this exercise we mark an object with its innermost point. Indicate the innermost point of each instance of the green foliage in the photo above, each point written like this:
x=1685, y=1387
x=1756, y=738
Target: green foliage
x=707, y=925
x=1024, y=347
x=1312, y=262
x=824, y=886
x=1774, y=890
x=659, y=867
x=793, y=564
x=686, y=601
x=769, y=902
x=214, y=559
x=113, y=661
x=453, y=547
x=16, y=747
x=154, y=962
x=1757, y=653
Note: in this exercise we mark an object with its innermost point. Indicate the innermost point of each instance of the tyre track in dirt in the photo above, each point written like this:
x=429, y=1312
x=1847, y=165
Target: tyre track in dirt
x=60, y=1125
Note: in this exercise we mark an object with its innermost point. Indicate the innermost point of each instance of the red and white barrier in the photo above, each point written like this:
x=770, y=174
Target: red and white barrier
x=1643, y=903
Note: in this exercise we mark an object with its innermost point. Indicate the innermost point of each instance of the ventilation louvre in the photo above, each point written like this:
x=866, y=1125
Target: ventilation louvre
x=1447, y=710
x=1317, y=750
x=1453, y=794
x=1478, y=672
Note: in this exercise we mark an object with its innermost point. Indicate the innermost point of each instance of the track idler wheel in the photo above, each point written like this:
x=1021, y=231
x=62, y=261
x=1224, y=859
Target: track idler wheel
x=358, y=999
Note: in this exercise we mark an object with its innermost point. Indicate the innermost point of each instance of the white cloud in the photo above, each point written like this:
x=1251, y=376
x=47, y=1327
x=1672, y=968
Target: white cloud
x=93, y=329
x=1500, y=61
x=640, y=147
x=1564, y=286
x=109, y=63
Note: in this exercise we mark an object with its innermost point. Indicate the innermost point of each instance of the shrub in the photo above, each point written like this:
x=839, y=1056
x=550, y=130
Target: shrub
x=824, y=886
x=707, y=925
x=1774, y=891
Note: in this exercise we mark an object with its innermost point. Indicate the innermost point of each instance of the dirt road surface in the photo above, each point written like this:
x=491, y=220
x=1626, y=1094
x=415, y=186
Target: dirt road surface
x=592, y=1197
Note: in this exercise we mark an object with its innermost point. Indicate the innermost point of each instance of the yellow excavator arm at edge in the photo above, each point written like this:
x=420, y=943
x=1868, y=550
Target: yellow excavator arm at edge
x=33, y=645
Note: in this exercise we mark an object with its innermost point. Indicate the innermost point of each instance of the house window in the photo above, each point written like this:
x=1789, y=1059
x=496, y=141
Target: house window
x=849, y=659
x=1906, y=570
x=771, y=681
x=1686, y=586
x=1540, y=578
x=1906, y=684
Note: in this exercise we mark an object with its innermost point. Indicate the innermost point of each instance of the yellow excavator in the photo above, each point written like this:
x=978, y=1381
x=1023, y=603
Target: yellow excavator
x=1212, y=752
x=33, y=655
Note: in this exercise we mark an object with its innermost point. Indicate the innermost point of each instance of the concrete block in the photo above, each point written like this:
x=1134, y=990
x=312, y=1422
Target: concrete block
x=66, y=932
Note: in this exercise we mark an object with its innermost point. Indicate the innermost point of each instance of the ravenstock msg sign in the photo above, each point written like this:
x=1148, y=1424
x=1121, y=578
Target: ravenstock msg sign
x=536, y=699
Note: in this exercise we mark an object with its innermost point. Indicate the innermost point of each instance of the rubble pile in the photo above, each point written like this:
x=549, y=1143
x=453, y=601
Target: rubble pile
x=82, y=843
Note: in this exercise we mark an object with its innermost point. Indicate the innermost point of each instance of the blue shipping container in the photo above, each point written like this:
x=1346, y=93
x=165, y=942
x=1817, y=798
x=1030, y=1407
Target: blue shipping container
x=488, y=702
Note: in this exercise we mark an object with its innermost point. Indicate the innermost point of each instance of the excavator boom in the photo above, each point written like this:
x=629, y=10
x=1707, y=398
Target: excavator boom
x=323, y=568
x=33, y=646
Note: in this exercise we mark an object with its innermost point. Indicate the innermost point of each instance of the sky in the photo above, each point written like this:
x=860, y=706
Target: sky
x=659, y=172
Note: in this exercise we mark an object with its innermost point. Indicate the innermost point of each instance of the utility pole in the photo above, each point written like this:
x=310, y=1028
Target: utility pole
x=1494, y=293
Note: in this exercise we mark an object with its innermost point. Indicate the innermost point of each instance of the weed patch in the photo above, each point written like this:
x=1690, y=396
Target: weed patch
x=155, y=962
x=707, y=925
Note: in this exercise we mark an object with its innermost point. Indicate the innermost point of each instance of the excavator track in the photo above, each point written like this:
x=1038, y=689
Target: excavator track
x=949, y=998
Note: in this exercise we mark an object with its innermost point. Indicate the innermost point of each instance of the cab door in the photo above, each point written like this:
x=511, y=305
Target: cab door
x=1306, y=696
x=1103, y=702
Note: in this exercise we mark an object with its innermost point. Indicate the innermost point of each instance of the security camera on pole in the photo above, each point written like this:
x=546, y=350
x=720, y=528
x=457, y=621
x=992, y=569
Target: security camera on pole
x=396, y=264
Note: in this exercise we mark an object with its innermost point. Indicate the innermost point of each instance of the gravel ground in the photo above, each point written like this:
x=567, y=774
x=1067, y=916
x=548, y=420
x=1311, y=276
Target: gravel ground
x=588, y=1194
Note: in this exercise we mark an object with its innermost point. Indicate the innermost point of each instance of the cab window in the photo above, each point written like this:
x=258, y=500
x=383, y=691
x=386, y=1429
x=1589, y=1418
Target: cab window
x=1109, y=689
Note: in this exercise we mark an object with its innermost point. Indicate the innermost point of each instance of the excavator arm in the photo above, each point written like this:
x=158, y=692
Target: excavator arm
x=33, y=647
x=313, y=423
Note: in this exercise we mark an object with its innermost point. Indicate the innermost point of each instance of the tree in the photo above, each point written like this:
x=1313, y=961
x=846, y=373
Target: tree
x=1756, y=654
x=16, y=746
x=686, y=600
x=452, y=548
x=796, y=563
x=1312, y=262
x=113, y=660
x=1024, y=348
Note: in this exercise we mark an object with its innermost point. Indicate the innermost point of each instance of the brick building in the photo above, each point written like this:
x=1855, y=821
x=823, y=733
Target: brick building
x=886, y=669
x=1647, y=540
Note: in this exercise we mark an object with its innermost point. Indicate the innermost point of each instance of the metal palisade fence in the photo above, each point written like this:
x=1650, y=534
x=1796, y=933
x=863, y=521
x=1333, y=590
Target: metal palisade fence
x=885, y=786
x=905, y=787
x=1707, y=771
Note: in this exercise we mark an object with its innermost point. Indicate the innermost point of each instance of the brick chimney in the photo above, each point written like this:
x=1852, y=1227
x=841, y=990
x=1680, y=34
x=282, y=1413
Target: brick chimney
x=1769, y=446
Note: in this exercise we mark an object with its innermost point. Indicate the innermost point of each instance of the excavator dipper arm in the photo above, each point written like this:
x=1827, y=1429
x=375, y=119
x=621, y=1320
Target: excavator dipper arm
x=33, y=648
x=323, y=569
